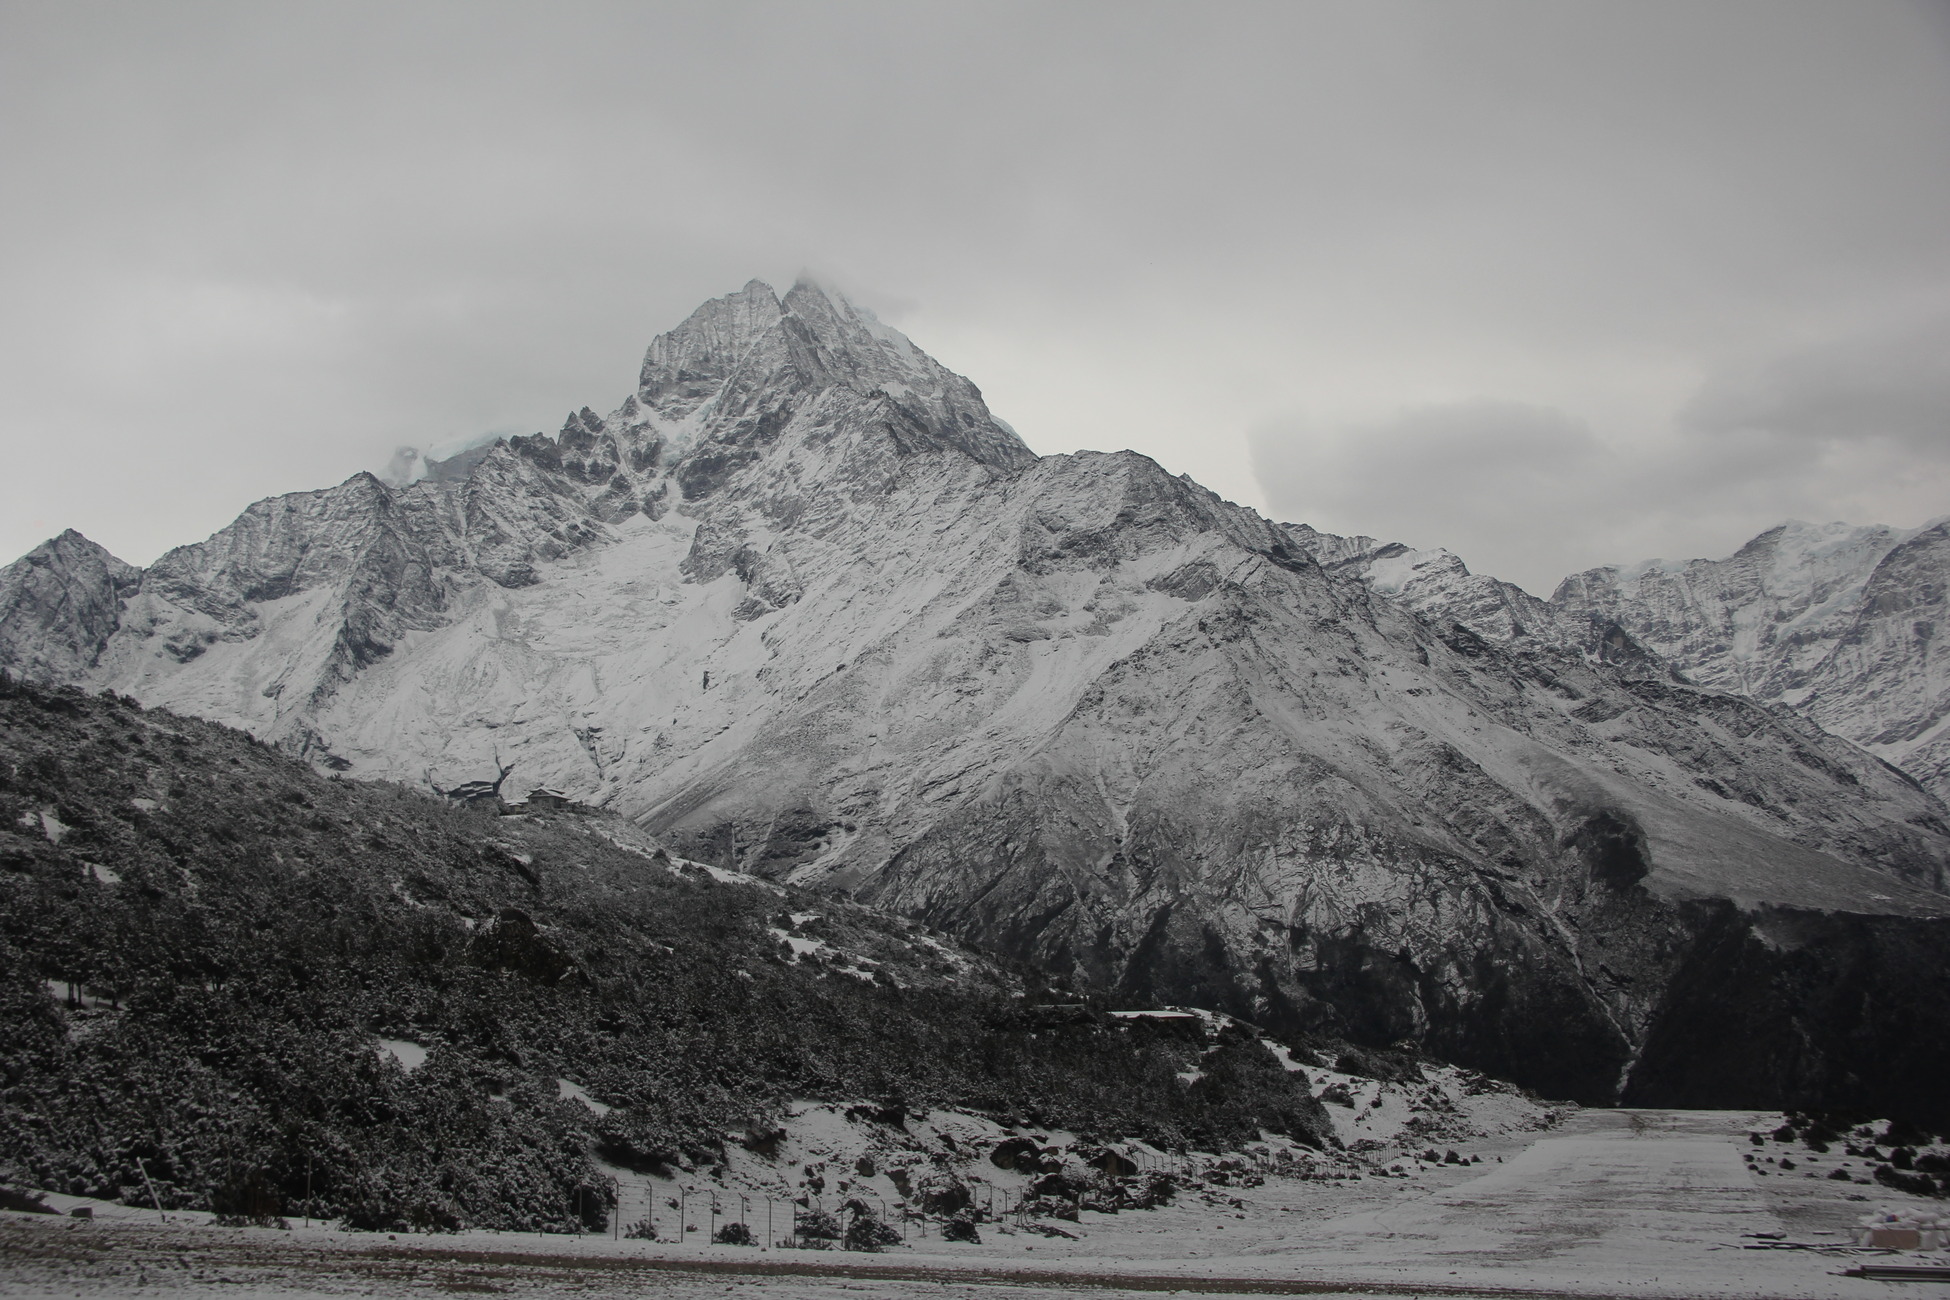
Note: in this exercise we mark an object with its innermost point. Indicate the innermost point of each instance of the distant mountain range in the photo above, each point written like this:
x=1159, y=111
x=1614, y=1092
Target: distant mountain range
x=1838, y=622
x=801, y=605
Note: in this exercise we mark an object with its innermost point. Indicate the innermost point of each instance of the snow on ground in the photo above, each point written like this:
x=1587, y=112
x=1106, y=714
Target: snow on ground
x=840, y=960
x=574, y=1092
x=1389, y=1121
x=826, y=1153
x=410, y=1055
x=1607, y=1203
x=73, y=995
x=1452, y=1105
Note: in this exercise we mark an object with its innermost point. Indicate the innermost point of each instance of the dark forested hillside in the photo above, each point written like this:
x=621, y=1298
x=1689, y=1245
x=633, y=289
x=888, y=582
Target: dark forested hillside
x=202, y=942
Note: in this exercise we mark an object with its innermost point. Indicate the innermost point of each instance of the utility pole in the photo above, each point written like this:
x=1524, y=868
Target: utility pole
x=308, y=1189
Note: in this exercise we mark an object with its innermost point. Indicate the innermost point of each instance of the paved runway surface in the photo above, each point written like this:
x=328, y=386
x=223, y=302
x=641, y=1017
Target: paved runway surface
x=1626, y=1203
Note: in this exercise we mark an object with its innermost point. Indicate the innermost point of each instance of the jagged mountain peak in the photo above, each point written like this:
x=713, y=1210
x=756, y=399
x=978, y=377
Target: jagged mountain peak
x=803, y=604
x=685, y=366
x=1392, y=567
x=750, y=372
x=70, y=544
x=837, y=340
x=1329, y=548
x=71, y=537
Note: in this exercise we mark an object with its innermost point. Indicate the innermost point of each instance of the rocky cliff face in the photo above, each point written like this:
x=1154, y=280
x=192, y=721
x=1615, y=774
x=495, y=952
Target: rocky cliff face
x=801, y=605
x=1758, y=622
x=1886, y=682
x=1839, y=622
x=59, y=605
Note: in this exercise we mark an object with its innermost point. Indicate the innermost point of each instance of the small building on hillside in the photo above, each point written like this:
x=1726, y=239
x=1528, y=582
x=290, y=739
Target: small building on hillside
x=475, y=792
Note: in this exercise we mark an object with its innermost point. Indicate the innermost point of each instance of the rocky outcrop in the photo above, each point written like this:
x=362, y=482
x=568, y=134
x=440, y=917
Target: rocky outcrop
x=802, y=606
x=59, y=605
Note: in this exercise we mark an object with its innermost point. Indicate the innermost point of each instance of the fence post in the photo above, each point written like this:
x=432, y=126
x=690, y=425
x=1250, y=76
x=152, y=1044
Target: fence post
x=155, y=1199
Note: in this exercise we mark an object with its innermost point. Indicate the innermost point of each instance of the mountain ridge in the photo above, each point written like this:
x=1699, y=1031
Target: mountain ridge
x=802, y=606
x=1835, y=621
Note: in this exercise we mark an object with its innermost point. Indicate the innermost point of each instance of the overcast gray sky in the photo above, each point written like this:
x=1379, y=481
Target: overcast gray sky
x=1550, y=284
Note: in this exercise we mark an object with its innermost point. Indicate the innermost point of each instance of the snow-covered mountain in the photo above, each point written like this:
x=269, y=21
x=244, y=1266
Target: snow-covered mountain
x=1839, y=622
x=1438, y=586
x=802, y=605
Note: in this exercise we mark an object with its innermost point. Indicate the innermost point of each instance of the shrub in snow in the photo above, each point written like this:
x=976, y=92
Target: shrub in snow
x=961, y=1228
x=816, y=1225
x=1914, y=1184
x=865, y=1231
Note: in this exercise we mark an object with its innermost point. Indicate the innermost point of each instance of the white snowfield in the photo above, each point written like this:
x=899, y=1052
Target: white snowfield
x=1610, y=1203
